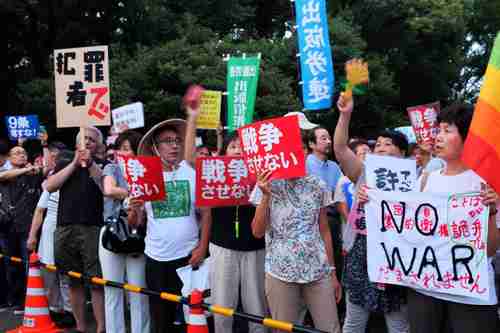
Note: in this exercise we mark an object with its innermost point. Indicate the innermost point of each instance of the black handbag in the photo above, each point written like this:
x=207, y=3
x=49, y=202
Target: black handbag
x=119, y=237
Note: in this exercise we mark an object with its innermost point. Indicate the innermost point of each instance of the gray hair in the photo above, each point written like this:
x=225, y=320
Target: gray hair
x=100, y=138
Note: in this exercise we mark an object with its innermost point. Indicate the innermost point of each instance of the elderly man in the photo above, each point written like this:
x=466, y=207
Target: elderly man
x=20, y=188
x=79, y=218
x=174, y=238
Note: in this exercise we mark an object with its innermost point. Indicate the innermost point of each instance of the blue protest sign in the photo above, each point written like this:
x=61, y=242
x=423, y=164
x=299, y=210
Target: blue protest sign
x=315, y=54
x=26, y=127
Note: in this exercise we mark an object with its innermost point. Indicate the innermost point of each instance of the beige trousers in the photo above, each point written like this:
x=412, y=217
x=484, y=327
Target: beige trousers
x=231, y=271
x=286, y=300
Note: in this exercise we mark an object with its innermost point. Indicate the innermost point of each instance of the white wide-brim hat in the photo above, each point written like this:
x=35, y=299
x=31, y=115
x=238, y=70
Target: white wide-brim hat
x=304, y=123
x=147, y=141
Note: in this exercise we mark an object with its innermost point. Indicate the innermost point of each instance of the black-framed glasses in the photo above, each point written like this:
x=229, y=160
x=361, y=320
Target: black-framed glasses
x=171, y=141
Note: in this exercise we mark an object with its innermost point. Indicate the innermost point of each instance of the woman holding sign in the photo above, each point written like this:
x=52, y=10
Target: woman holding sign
x=237, y=257
x=363, y=296
x=116, y=265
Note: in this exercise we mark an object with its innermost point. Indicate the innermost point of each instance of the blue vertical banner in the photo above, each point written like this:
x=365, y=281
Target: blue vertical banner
x=316, y=63
x=22, y=127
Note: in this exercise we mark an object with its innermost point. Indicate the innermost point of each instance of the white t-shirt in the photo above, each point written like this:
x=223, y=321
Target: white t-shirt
x=48, y=201
x=172, y=229
x=467, y=181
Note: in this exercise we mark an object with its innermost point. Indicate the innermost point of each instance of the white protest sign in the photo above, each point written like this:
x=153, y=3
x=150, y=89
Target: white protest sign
x=129, y=116
x=431, y=242
x=388, y=173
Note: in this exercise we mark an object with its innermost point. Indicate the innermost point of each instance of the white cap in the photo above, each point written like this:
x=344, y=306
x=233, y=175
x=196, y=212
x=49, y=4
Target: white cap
x=304, y=123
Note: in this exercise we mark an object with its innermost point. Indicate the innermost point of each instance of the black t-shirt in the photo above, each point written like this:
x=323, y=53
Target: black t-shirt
x=23, y=193
x=224, y=229
x=80, y=199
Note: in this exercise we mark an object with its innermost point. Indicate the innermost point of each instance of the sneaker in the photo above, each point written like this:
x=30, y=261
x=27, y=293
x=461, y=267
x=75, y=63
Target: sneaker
x=18, y=310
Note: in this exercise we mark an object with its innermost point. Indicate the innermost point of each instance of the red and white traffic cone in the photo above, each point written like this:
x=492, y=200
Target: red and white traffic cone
x=197, y=322
x=36, y=309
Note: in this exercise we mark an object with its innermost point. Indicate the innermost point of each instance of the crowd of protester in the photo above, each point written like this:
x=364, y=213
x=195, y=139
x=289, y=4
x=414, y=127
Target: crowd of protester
x=292, y=255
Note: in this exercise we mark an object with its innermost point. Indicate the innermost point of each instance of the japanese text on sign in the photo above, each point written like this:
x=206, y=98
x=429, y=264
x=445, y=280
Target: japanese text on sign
x=387, y=173
x=264, y=147
x=242, y=79
x=144, y=177
x=210, y=104
x=222, y=181
x=423, y=119
x=82, y=86
x=429, y=242
x=315, y=54
x=129, y=116
x=19, y=127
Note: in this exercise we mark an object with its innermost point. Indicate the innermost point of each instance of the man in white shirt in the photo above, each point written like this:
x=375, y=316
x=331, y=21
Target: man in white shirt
x=174, y=237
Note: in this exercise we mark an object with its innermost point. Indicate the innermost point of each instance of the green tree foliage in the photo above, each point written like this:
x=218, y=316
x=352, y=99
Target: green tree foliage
x=418, y=50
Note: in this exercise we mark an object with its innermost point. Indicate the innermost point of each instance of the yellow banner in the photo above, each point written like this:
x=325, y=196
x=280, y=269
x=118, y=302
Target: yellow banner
x=210, y=105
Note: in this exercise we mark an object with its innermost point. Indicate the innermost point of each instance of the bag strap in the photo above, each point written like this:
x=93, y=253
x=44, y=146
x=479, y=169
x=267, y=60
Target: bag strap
x=425, y=178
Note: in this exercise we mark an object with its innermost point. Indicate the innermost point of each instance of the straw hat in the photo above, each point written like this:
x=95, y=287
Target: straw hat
x=304, y=123
x=146, y=144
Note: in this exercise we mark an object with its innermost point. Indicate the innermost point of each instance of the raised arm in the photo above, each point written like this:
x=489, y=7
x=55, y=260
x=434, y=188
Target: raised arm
x=350, y=163
x=190, y=139
x=261, y=218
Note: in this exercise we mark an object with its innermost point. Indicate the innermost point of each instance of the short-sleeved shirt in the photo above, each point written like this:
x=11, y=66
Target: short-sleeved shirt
x=328, y=171
x=295, y=251
x=223, y=231
x=467, y=181
x=172, y=229
x=112, y=206
x=80, y=198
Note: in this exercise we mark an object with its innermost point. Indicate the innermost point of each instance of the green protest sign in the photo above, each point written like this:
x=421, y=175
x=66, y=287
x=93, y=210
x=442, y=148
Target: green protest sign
x=242, y=79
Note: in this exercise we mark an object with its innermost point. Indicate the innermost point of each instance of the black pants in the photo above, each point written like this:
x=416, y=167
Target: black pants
x=3, y=271
x=431, y=315
x=16, y=272
x=162, y=276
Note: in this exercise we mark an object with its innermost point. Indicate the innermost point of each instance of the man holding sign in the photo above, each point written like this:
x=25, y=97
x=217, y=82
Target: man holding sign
x=79, y=218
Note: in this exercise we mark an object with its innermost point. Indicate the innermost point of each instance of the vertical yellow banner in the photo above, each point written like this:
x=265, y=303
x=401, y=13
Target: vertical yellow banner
x=210, y=105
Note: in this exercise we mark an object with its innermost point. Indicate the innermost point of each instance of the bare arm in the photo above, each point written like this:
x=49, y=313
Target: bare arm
x=351, y=165
x=36, y=223
x=261, y=218
x=190, y=140
x=13, y=173
x=112, y=190
x=199, y=253
x=493, y=236
x=220, y=139
x=57, y=180
x=343, y=210
x=324, y=230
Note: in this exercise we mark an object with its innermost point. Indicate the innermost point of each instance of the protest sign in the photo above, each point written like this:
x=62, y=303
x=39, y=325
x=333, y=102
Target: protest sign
x=82, y=86
x=431, y=242
x=424, y=122
x=129, y=116
x=242, y=79
x=274, y=144
x=315, y=54
x=388, y=173
x=144, y=175
x=222, y=181
x=22, y=127
x=210, y=105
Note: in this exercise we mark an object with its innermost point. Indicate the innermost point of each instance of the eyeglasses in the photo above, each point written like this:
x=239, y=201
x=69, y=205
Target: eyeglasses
x=171, y=141
x=18, y=153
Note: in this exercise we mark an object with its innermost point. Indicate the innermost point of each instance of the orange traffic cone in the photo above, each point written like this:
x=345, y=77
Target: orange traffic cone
x=197, y=323
x=36, y=309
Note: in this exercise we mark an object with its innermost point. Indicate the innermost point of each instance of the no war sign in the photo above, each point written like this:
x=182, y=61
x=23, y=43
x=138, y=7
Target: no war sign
x=429, y=242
